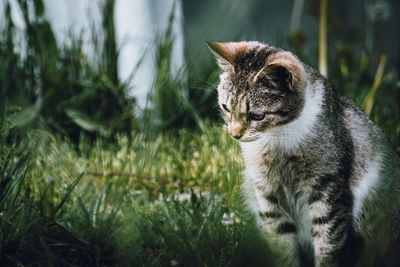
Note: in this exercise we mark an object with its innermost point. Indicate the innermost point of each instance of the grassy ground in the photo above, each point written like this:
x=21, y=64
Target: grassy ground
x=168, y=200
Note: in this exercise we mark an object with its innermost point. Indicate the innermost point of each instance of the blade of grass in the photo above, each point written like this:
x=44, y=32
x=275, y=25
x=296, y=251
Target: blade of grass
x=379, y=76
x=13, y=181
x=65, y=198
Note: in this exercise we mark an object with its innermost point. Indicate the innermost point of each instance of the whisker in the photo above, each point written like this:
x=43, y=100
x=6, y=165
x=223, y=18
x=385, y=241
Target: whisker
x=292, y=132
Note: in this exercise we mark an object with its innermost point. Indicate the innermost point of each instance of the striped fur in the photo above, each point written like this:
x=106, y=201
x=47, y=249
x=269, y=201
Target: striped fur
x=320, y=176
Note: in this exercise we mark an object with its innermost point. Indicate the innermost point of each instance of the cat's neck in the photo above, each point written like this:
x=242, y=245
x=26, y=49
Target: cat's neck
x=288, y=137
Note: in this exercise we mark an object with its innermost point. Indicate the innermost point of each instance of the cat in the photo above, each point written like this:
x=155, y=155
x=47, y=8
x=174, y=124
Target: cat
x=320, y=176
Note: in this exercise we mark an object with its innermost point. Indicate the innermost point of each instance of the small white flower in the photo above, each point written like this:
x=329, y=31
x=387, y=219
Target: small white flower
x=227, y=219
x=174, y=263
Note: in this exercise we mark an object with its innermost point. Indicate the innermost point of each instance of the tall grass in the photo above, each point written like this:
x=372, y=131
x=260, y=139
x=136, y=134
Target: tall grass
x=56, y=86
x=173, y=103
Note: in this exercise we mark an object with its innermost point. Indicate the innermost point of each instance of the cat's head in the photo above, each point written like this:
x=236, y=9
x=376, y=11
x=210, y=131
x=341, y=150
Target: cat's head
x=261, y=87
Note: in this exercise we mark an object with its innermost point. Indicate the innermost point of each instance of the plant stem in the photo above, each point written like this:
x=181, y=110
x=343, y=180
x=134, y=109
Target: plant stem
x=369, y=36
x=379, y=76
x=323, y=60
x=295, y=19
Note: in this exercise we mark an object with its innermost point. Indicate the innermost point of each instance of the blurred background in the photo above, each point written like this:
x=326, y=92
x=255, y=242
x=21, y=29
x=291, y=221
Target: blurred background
x=103, y=67
x=109, y=124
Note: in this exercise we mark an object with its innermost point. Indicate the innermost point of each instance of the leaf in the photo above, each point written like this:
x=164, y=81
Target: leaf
x=86, y=123
x=25, y=116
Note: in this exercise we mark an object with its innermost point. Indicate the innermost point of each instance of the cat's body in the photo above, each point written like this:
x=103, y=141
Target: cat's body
x=320, y=176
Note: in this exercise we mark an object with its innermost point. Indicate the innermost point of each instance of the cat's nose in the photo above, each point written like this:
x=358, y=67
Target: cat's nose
x=237, y=137
x=236, y=130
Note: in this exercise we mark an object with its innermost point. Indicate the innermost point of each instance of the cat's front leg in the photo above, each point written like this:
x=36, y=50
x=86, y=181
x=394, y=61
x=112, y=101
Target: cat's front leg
x=280, y=229
x=330, y=214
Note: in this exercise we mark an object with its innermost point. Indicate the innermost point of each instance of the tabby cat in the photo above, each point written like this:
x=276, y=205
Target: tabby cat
x=321, y=177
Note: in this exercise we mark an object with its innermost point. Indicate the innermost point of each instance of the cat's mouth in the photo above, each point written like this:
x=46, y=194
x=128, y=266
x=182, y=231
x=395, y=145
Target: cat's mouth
x=248, y=139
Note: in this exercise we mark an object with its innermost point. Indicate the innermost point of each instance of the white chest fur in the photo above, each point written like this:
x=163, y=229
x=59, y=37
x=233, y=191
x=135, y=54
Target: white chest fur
x=261, y=178
x=264, y=172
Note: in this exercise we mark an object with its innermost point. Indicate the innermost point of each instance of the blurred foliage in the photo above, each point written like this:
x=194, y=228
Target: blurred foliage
x=173, y=102
x=168, y=105
x=110, y=54
x=57, y=87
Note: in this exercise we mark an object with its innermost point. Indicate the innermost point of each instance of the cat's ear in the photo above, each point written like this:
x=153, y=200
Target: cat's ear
x=279, y=75
x=284, y=70
x=224, y=52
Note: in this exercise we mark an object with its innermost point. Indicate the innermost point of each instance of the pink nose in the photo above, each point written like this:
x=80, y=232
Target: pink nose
x=236, y=130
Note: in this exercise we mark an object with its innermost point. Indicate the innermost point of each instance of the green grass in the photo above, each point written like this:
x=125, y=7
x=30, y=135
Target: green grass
x=57, y=207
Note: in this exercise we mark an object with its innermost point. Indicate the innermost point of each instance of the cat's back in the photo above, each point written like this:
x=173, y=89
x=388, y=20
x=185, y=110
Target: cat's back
x=370, y=145
x=375, y=184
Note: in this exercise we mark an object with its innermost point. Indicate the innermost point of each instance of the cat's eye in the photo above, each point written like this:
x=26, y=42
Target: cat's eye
x=256, y=116
x=225, y=108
